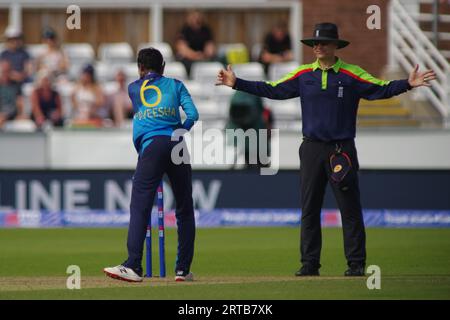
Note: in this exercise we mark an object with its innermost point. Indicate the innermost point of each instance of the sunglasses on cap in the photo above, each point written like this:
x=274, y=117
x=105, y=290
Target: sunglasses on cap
x=322, y=42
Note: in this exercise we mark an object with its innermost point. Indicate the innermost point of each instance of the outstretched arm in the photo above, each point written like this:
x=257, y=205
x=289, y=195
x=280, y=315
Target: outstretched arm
x=371, y=88
x=280, y=90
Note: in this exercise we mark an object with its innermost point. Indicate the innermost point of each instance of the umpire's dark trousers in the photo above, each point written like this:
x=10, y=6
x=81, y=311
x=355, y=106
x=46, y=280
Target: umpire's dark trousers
x=315, y=172
x=152, y=164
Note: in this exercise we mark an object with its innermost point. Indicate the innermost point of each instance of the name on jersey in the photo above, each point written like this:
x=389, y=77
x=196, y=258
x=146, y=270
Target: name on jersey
x=158, y=112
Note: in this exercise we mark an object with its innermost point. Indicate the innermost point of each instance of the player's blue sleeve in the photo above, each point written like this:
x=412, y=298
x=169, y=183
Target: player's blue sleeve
x=136, y=140
x=188, y=107
x=130, y=94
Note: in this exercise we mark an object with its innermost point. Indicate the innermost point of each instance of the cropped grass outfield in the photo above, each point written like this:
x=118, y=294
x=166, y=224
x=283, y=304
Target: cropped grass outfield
x=229, y=263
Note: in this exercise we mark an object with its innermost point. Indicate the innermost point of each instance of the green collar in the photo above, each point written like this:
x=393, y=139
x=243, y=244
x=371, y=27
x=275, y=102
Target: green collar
x=335, y=67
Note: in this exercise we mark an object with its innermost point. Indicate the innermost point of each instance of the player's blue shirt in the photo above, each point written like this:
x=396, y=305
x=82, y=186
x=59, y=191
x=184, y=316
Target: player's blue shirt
x=156, y=101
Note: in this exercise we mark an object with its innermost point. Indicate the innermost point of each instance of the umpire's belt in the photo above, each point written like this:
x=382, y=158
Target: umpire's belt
x=308, y=139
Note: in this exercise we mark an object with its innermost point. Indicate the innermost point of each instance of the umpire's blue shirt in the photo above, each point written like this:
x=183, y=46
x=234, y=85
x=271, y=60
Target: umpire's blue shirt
x=156, y=101
x=329, y=98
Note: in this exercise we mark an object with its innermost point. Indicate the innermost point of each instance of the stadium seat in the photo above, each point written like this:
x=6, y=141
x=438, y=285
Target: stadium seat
x=27, y=90
x=204, y=100
x=34, y=50
x=222, y=49
x=256, y=51
x=131, y=71
x=278, y=70
x=197, y=91
x=105, y=71
x=195, y=88
x=222, y=95
x=205, y=72
x=213, y=100
x=79, y=53
x=233, y=53
x=175, y=70
x=116, y=53
x=65, y=90
x=22, y=125
x=109, y=87
x=284, y=109
x=163, y=47
x=253, y=71
x=207, y=108
x=75, y=70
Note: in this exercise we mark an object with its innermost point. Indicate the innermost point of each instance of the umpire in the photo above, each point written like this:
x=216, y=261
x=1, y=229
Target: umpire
x=329, y=90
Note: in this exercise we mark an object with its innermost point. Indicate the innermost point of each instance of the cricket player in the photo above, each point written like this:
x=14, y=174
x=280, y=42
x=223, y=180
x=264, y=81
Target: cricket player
x=156, y=101
x=329, y=90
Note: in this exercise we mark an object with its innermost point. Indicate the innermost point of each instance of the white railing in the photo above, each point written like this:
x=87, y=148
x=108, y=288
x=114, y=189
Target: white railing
x=408, y=45
x=441, y=35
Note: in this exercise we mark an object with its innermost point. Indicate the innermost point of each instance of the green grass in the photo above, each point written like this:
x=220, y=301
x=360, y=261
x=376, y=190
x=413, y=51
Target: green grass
x=251, y=263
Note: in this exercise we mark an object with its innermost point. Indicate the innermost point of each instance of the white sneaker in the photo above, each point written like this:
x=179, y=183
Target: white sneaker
x=122, y=273
x=182, y=276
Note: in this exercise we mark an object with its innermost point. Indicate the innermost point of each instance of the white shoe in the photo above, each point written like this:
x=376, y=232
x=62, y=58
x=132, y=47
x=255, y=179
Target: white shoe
x=182, y=276
x=122, y=273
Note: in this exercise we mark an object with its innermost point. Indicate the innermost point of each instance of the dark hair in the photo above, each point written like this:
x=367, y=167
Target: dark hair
x=151, y=59
x=89, y=69
x=49, y=33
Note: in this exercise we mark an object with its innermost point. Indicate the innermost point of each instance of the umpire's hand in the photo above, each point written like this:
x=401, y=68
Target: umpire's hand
x=418, y=79
x=226, y=77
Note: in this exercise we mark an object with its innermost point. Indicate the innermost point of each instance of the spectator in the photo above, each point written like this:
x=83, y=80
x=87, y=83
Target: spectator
x=11, y=103
x=17, y=56
x=195, y=41
x=53, y=58
x=121, y=103
x=277, y=46
x=87, y=99
x=45, y=101
x=247, y=112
